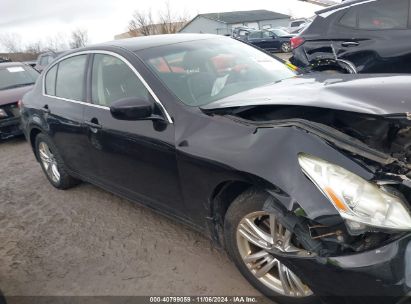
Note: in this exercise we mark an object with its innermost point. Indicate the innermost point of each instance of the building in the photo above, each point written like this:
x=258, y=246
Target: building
x=223, y=23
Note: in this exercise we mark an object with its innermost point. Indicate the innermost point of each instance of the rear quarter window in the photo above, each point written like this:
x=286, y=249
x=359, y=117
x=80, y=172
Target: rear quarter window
x=50, y=81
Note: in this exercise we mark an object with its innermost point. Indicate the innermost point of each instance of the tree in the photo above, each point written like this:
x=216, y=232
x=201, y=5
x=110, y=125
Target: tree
x=56, y=43
x=11, y=42
x=168, y=22
x=171, y=22
x=142, y=24
x=79, y=38
x=34, y=48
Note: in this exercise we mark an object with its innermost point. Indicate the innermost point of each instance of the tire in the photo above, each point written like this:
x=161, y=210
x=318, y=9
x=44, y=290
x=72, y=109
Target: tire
x=55, y=164
x=286, y=47
x=250, y=202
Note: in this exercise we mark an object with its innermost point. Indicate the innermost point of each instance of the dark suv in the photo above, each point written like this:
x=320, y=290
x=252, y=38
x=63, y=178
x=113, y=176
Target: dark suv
x=357, y=37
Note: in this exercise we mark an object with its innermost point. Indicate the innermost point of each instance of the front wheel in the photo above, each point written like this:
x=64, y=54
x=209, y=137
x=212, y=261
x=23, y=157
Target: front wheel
x=250, y=234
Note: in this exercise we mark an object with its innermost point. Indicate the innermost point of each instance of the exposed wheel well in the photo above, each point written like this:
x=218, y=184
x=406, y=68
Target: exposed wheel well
x=222, y=198
x=340, y=66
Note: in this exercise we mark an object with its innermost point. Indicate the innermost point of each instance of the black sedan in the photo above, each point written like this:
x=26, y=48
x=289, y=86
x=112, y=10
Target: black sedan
x=357, y=37
x=16, y=79
x=304, y=180
x=270, y=40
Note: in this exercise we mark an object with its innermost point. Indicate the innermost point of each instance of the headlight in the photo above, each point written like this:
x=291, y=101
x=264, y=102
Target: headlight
x=3, y=113
x=357, y=200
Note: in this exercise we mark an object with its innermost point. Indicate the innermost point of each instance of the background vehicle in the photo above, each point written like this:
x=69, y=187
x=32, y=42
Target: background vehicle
x=269, y=39
x=30, y=63
x=305, y=181
x=357, y=36
x=45, y=59
x=16, y=79
x=4, y=60
x=296, y=25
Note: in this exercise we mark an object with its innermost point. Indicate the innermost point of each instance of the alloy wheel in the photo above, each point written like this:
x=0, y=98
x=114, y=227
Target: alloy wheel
x=286, y=47
x=49, y=162
x=259, y=233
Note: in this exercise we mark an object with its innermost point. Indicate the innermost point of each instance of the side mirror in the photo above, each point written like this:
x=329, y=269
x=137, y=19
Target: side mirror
x=132, y=108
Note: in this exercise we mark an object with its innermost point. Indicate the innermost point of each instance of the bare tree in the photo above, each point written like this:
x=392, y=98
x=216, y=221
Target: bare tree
x=34, y=48
x=11, y=42
x=168, y=22
x=142, y=24
x=56, y=43
x=79, y=38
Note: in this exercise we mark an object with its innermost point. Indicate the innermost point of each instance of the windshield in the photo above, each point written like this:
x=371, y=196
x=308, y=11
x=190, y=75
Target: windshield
x=202, y=71
x=279, y=32
x=16, y=76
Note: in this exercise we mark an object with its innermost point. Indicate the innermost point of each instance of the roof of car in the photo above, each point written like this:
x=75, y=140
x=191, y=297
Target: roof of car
x=342, y=5
x=145, y=42
x=10, y=64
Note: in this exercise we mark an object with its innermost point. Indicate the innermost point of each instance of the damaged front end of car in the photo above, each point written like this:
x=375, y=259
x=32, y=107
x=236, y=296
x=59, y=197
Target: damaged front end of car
x=364, y=248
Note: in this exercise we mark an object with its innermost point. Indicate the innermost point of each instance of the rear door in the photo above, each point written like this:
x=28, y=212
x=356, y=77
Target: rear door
x=133, y=158
x=375, y=36
x=63, y=105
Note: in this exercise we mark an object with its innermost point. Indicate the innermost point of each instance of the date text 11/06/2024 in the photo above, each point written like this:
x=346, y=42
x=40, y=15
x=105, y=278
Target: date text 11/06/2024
x=203, y=299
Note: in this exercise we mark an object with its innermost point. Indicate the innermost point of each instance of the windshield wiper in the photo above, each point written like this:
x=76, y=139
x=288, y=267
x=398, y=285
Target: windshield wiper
x=17, y=86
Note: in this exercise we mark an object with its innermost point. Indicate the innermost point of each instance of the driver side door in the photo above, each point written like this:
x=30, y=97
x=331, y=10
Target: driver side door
x=135, y=159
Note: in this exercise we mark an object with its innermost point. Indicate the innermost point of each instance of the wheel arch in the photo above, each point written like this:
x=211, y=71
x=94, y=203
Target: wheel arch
x=34, y=131
x=224, y=195
x=334, y=64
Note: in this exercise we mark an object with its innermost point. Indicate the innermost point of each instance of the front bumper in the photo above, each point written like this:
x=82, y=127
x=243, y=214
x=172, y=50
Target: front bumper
x=10, y=127
x=383, y=274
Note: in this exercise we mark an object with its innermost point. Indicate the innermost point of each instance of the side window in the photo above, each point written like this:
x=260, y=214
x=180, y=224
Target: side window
x=43, y=60
x=112, y=79
x=384, y=15
x=350, y=18
x=50, y=59
x=296, y=23
x=267, y=34
x=50, y=81
x=255, y=35
x=70, y=77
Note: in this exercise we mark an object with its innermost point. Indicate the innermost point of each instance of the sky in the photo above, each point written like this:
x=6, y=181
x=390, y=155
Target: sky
x=34, y=20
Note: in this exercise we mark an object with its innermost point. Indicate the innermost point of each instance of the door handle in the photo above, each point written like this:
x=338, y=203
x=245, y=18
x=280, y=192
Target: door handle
x=93, y=124
x=46, y=109
x=350, y=44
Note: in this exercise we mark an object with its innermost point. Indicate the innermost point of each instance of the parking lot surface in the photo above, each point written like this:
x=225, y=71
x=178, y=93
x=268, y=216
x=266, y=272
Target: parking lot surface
x=86, y=241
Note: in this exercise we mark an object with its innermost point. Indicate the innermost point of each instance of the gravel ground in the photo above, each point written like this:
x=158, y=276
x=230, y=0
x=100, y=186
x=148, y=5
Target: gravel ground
x=284, y=56
x=86, y=241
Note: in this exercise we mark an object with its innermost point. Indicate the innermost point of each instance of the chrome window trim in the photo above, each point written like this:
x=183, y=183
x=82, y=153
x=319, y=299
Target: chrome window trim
x=156, y=99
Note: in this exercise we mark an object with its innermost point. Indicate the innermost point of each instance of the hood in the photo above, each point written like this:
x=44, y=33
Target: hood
x=13, y=95
x=378, y=95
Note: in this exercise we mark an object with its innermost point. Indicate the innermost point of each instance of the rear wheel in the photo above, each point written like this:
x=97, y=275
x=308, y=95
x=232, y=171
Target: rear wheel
x=52, y=163
x=250, y=235
x=286, y=47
